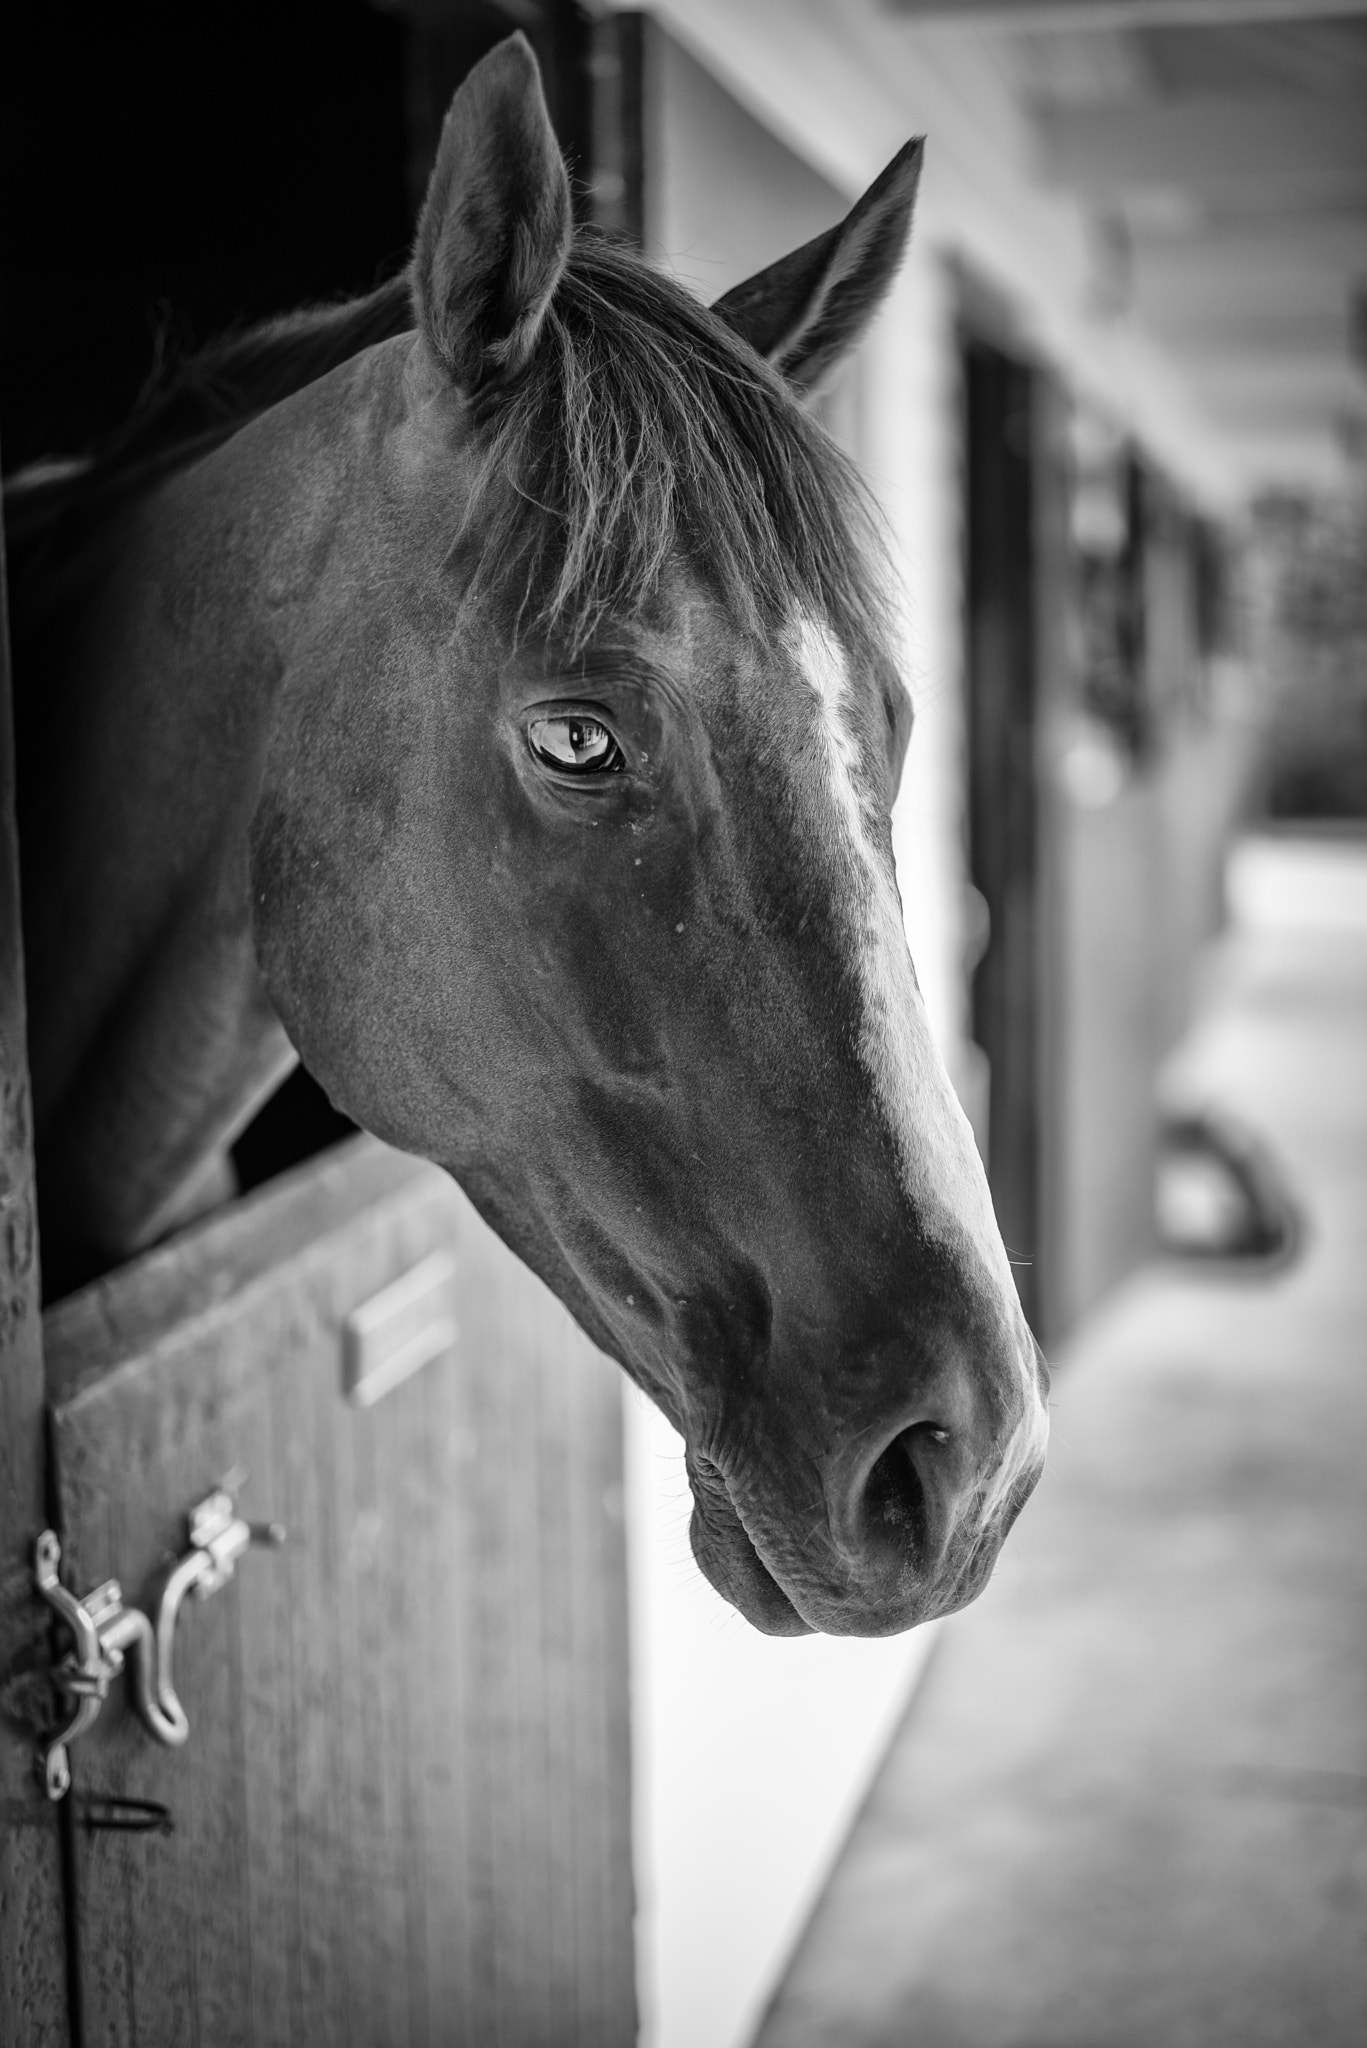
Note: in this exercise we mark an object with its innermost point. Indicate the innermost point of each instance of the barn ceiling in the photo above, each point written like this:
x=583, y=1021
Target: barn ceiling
x=1219, y=148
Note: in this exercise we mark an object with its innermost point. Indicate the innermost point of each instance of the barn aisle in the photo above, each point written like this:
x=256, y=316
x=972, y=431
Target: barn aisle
x=1128, y=1808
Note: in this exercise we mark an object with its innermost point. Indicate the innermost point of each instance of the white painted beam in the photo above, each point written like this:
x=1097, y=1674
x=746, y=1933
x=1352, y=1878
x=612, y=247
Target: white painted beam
x=1330, y=378
x=1273, y=296
x=1302, y=253
x=1289, y=144
x=1214, y=326
x=1275, y=290
x=1086, y=14
x=1294, y=457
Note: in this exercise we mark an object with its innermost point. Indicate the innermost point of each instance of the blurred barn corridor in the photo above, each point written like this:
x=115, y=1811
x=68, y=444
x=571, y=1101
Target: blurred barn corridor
x=1129, y=1804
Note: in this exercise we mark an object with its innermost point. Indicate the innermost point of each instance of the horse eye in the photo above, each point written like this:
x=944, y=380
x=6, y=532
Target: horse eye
x=575, y=744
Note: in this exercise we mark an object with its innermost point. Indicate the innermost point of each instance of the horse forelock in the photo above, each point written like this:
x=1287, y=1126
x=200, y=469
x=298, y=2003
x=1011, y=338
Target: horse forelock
x=644, y=432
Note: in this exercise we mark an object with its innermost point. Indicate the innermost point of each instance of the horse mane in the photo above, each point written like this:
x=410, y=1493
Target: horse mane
x=223, y=385
x=191, y=405
x=642, y=425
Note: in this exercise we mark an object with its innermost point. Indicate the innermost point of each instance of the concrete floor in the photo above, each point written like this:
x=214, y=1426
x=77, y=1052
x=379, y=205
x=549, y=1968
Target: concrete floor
x=1128, y=1808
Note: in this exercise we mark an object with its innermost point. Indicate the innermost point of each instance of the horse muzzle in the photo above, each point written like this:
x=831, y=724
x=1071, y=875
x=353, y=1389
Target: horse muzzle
x=888, y=1528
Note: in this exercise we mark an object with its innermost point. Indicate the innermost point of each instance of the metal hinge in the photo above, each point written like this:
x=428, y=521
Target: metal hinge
x=108, y=1635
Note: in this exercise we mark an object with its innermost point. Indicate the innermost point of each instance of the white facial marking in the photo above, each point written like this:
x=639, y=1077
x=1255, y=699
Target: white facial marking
x=941, y=1170
x=896, y=1046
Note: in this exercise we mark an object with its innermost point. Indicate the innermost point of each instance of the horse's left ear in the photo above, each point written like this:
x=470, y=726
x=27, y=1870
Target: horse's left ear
x=494, y=234
x=809, y=309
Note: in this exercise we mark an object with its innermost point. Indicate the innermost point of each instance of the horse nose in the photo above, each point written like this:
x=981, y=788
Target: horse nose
x=920, y=1513
x=904, y=1511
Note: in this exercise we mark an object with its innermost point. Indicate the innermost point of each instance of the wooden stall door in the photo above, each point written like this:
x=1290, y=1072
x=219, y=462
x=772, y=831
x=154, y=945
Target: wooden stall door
x=33, y=1974
x=403, y=1811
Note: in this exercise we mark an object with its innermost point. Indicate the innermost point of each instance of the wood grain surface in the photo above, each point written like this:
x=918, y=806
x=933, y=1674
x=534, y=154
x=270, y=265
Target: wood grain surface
x=33, y=1996
x=403, y=1814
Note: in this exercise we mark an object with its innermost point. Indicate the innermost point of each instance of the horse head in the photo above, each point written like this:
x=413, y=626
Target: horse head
x=572, y=871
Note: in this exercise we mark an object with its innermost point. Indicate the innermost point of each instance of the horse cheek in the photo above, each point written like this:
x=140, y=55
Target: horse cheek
x=302, y=897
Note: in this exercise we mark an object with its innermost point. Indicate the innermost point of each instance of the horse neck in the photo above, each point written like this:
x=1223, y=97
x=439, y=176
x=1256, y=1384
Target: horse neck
x=153, y=1037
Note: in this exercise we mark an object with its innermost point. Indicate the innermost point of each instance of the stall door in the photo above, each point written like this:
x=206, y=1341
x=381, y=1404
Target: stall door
x=402, y=1812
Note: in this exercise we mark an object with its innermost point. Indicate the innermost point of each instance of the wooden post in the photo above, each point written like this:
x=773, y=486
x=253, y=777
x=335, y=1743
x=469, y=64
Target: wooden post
x=33, y=1970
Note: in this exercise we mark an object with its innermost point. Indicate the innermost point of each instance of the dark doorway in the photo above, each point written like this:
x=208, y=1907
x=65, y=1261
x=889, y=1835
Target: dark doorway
x=175, y=171
x=169, y=172
x=1000, y=644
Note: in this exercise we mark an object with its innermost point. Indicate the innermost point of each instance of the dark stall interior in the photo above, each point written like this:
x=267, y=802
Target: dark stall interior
x=173, y=172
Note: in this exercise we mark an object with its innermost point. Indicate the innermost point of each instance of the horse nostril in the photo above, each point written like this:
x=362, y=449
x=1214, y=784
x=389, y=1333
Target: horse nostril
x=896, y=1506
x=904, y=1503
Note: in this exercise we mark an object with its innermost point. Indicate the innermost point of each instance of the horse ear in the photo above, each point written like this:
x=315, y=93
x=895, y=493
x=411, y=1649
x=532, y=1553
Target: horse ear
x=494, y=233
x=809, y=309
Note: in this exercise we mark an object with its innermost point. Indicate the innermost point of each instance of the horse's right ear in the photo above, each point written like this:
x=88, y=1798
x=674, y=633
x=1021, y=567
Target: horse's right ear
x=808, y=310
x=494, y=234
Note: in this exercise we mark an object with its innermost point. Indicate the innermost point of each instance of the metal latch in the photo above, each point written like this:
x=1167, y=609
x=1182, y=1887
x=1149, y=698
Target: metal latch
x=108, y=1635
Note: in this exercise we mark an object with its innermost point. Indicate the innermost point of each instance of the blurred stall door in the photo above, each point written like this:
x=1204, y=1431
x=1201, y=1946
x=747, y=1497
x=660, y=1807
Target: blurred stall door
x=1000, y=651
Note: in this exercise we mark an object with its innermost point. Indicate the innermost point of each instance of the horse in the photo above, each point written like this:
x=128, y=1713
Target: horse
x=485, y=692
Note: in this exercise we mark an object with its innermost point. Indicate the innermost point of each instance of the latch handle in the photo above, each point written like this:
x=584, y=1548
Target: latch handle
x=107, y=1634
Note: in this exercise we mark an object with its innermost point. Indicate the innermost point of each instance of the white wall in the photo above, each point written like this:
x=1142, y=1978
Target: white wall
x=752, y=1755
